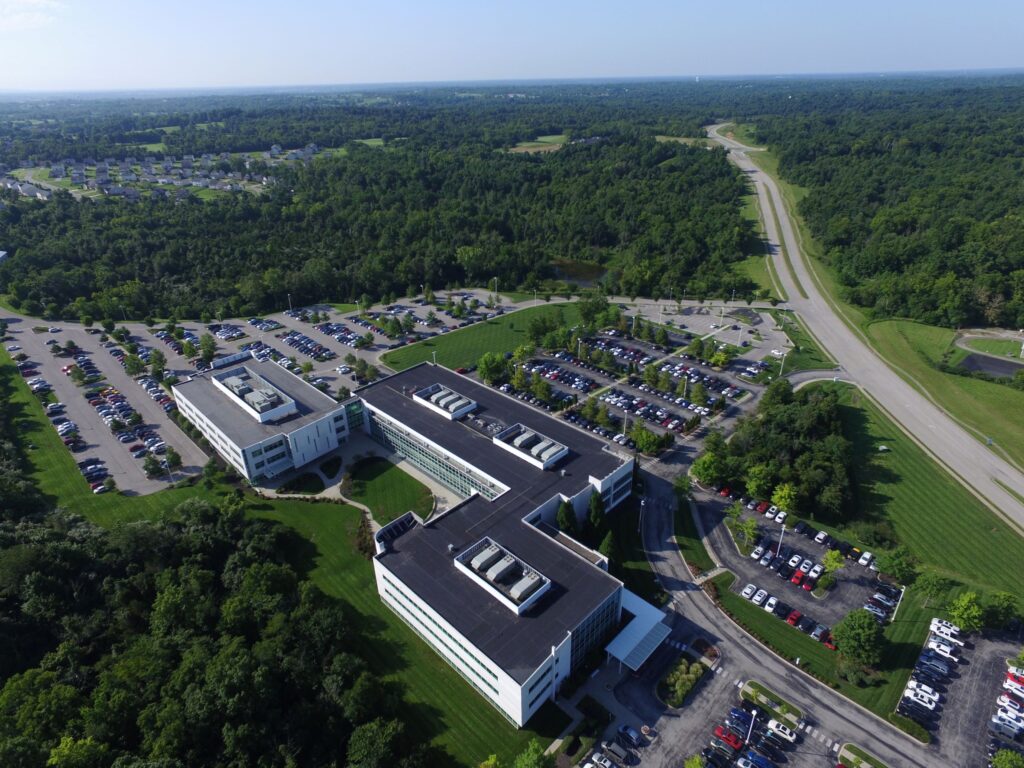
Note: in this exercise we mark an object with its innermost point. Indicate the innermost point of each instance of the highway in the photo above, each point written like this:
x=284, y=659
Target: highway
x=985, y=473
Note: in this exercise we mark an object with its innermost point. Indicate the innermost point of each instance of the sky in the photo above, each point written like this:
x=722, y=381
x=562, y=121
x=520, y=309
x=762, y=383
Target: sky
x=144, y=44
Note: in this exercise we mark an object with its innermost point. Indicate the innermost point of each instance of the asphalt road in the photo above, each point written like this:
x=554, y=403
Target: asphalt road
x=953, y=446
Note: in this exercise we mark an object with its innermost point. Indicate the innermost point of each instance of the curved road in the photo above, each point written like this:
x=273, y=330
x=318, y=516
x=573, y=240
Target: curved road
x=988, y=475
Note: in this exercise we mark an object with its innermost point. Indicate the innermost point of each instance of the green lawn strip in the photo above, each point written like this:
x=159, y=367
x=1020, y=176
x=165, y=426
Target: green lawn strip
x=926, y=507
x=439, y=705
x=690, y=544
x=1000, y=347
x=345, y=308
x=762, y=694
x=306, y=483
x=807, y=354
x=463, y=348
x=855, y=752
x=388, y=491
x=987, y=409
x=905, y=637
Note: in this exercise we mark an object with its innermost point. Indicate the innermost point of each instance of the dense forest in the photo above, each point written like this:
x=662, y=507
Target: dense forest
x=658, y=216
x=791, y=451
x=918, y=200
x=190, y=642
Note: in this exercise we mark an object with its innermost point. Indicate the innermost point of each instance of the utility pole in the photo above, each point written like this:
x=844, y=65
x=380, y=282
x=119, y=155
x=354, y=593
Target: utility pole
x=782, y=368
x=434, y=353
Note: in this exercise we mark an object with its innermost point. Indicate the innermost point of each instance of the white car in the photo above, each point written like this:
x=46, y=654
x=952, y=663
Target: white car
x=821, y=537
x=13, y=348
x=927, y=690
x=866, y=559
x=601, y=761
x=1006, y=701
x=1011, y=715
x=816, y=571
x=918, y=693
x=806, y=566
x=1016, y=671
x=919, y=698
x=770, y=603
x=748, y=591
x=946, y=625
x=770, y=512
x=1013, y=687
x=946, y=651
x=756, y=554
x=782, y=731
x=945, y=634
x=780, y=518
x=794, y=561
x=1012, y=725
x=760, y=597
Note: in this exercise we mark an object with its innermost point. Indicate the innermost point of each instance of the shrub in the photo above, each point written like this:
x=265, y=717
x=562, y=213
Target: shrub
x=680, y=681
x=909, y=727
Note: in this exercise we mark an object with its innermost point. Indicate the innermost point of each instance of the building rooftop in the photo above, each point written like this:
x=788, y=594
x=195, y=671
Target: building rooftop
x=239, y=425
x=423, y=556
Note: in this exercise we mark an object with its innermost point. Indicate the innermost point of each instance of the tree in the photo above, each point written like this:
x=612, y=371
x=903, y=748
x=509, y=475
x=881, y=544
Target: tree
x=108, y=325
x=832, y=561
x=932, y=586
x=694, y=761
x=207, y=347
x=1006, y=758
x=372, y=373
x=134, y=366
x=646, y=441
x=966, y=612
x=734, y=512
x=491, y=762
x=519, y=379
x=900, y=564
x=86, y=320
x=173, y=458
x=748, y=530
x=698, y=394
x=344, y=393
x=188, y=350
x=661, y=337
x=1001, y=609
x=759, y=480
x=492, y=368
x=541, y=388
x=533, y=757
x=151, y=466
x=566, y=518
x=595, y=510
x=710, y=469
x=609, y=547
x=306, y=367
x=77, y=375
x=859, y=638
x=157, y=364
x=683, y=486
x=78, y=753
x=784, y=497
x=376, y=744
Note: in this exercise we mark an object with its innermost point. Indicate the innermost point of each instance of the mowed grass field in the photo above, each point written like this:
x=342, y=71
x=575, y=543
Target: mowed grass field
x=463, y=348
x=1001, y=347
x=440, y=706
x=388, y=491
x=541, y=144
x=987, y=409
x=443, y=708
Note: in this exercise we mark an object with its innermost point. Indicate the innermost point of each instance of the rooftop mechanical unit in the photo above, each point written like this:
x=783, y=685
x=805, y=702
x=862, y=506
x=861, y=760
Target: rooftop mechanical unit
x=525, y=587
x=501, y=569
x=542, y=446
x=486, y=558
x=462, y=402
x=523, y=438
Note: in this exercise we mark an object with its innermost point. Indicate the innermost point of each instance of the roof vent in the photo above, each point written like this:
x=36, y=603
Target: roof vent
x=563, y=473
x=451, y=548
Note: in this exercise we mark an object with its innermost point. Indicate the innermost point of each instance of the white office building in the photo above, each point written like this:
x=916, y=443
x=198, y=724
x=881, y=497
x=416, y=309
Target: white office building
x=514, y=605
x=261, y=419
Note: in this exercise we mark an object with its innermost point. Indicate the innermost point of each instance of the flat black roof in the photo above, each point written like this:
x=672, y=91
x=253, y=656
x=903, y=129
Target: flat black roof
x=237, y=423
x=421, y=559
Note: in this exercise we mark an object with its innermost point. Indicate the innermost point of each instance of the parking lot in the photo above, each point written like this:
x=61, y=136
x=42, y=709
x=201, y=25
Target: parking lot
x=100, y=446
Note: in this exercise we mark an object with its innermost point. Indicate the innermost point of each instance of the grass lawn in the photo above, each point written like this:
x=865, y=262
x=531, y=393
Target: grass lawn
x=388, y=491
x=462, y=348
x=345, y=308
x=440, y=706
x=984, y=408
x=541, y=144
x=1002, y=347
x=693, y=141
x=307, y=482
x=376, y=142
x=689, y=542
x=860, y=755
x=806, y=355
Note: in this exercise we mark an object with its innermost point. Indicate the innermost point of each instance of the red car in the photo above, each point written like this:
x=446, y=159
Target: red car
x=762, y=507
x=808, y=584
x=798, y=578
x=793, y=618
x=724, y=492
x=827, y=641
x=1019, y=679
x=728, y=737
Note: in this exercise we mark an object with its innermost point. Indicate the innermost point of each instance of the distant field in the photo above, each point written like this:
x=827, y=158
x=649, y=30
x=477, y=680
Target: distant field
x=541, y=144
x=462, y=348
x=988, y=409
x=1002, y=347
x=345, y=308
x=691, y=140
x=377, y=142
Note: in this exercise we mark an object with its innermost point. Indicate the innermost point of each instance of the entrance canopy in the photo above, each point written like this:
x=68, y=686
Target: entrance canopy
x=641, y=636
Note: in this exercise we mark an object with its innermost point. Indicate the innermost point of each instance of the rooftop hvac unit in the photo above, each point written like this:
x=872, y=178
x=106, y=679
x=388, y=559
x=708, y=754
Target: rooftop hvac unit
x=438, y=395
x=542, y=446
x=501, y=569
x=550, y=452
x=518, y=442
x=525, y=587
x=485, y=558
x=450, y=398
x=462, y=402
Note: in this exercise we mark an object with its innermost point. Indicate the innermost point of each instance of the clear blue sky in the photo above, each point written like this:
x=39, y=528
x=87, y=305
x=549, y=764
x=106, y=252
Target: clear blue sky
x=115, y=44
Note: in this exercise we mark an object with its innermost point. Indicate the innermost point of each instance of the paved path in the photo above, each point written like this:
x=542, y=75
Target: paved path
x=973, y=463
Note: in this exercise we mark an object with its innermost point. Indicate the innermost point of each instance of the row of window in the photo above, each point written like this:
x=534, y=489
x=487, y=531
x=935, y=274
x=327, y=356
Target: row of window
x=536, y=698
x=421, y=617
x=539, y=680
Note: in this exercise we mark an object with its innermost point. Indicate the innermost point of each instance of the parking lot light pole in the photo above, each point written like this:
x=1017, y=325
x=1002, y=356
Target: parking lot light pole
x=640, y=519
x=782, y=368
x=753, y=719
x=782, y=536
x=290, y=303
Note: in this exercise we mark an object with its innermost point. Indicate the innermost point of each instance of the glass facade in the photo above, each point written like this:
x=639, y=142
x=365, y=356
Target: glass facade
x=455, y=474
x=595, y=629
